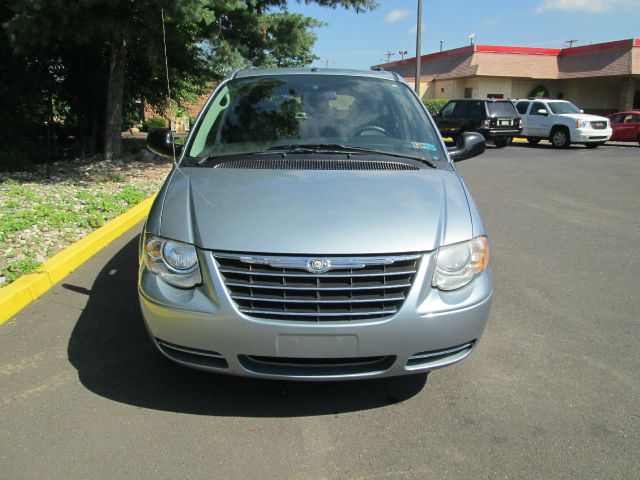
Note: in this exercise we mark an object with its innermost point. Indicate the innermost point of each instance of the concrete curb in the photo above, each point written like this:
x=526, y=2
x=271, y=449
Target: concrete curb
x=17, y=295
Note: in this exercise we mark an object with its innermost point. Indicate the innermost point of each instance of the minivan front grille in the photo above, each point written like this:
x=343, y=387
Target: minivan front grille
x=345, y=289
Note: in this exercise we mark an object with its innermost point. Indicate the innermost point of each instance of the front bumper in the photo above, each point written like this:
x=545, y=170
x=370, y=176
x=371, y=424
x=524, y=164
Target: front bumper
x=493, y=133
x=203, y=328
x=589, y=135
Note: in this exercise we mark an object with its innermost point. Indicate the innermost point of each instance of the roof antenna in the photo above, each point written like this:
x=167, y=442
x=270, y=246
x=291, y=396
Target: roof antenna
x=166, y=68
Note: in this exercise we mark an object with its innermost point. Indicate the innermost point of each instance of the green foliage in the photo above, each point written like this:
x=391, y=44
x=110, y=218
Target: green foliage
x=154, y=123
x=434, y=105
x=63, y=64
x=15, y=161
x=19, y=268
x=539, y=92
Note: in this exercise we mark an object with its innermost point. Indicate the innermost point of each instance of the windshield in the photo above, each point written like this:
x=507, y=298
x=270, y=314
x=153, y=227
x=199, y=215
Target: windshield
x=505, y=109
x=563, y=107
x=254, y=114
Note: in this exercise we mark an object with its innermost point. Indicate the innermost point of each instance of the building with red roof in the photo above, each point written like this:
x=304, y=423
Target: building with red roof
x=600, y=78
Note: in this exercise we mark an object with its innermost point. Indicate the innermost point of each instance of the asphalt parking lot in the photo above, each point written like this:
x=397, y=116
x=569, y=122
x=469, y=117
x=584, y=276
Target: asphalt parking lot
x=552, y=391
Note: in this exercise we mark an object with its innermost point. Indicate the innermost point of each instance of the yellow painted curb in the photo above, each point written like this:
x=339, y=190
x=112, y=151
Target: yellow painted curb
x=17, y=295
x=515, y=139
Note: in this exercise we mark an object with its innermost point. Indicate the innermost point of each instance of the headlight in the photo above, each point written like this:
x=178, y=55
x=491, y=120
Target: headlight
x=458, y=264
x=582, y=124
x=175, y=262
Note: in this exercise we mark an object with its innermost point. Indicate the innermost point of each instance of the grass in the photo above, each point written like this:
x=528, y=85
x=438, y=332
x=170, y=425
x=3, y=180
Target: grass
x=39, y=219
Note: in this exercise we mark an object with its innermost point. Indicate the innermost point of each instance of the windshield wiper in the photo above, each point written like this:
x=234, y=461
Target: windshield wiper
x=317, y=148
x=338, y=148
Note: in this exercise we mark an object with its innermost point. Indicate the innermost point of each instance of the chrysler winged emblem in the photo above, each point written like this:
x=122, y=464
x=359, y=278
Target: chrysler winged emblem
x=318, y=265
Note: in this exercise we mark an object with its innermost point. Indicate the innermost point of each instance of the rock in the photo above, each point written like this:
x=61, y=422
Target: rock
x=3, y=281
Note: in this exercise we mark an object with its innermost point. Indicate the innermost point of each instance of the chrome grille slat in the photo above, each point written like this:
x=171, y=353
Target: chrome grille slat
x=317, y=288
x=286, y=288
x=293, y=300
x=313, y=275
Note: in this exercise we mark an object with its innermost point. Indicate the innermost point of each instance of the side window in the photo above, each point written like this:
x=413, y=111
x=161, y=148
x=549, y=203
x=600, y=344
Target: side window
x=522, y=107
x=538, y=106
x=476, y=109
x=628, y=119
x=462, y=109
x=615, y=119
x=447, y=111
x=636, y=118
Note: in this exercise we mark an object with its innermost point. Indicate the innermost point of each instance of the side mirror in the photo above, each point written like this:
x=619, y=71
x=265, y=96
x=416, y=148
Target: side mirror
x=470, y=144
x=543, y=111
x=160, y=142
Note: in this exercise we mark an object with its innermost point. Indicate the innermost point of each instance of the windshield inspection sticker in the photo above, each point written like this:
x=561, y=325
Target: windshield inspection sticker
x=424, y=146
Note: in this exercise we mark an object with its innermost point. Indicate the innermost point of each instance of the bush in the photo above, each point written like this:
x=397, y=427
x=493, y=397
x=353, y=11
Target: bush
x=15, y=162
x=434, y=105
x=154, y=123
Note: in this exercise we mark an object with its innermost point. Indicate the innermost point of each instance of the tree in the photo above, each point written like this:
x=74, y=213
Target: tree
x=100, y=56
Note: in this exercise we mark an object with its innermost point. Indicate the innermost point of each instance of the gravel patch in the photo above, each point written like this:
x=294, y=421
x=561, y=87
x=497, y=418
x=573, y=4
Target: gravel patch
x=45, y=210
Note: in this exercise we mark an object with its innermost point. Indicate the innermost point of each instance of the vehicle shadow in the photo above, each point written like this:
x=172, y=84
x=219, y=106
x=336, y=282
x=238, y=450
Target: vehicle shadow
x=110, y=348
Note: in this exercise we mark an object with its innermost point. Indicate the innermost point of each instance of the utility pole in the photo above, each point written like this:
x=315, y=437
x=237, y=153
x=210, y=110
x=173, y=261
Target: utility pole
x=402, y=53
x=441, y=44
x=389, y=55
x=418, y=41
x=327, y=61
x=570, y=42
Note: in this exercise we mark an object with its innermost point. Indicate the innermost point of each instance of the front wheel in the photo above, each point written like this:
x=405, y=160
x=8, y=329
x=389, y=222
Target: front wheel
x=533, y=141
x=560, y=138
x=502, y=142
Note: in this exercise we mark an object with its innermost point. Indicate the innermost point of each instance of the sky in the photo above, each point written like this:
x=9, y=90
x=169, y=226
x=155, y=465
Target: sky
x=351, y=40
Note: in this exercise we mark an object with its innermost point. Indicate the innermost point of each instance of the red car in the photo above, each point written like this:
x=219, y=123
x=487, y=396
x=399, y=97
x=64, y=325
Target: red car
x=626, y=126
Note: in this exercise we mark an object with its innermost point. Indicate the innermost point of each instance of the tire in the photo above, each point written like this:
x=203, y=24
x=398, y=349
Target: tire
x=533, y=141
x=560, y=137
x=593, y=144
x=638, y=139
x=502, y=142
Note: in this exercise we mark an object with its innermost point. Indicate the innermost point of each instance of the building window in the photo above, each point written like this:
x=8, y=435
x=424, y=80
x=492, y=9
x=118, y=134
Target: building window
x=468, y=93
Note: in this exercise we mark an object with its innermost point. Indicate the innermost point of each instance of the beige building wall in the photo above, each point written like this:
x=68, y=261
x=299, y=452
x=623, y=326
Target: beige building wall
x=488, y=85
x=593, y=93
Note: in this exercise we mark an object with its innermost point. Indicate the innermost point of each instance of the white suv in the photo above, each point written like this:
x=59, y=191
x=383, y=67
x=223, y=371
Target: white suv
x=561, y=122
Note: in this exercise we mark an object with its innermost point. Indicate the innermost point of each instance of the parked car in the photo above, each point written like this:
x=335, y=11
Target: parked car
x=314, y=227
x=625, y=126
x=561, y=122
x=496, y=120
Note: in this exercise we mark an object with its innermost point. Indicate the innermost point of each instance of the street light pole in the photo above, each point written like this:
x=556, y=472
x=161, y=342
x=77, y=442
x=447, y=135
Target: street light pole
x=418, y=41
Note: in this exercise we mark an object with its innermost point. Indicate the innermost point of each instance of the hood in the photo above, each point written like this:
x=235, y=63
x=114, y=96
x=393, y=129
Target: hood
x=315, y=212
x=585, y=116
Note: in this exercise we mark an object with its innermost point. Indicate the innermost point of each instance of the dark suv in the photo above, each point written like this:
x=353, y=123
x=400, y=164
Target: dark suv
x=496, y=120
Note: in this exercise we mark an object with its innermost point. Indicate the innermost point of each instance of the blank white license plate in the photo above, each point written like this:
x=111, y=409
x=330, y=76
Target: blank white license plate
x=504, y=123
x=317, y=346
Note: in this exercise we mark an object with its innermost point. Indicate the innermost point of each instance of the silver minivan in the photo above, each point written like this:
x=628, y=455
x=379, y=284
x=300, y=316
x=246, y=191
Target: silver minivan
x=314, y=227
